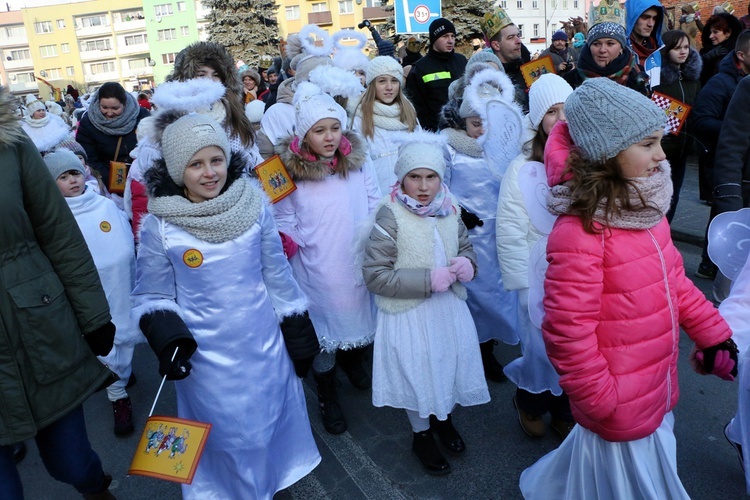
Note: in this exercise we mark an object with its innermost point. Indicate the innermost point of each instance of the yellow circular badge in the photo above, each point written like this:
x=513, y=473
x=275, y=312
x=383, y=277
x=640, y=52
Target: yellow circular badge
x=105, y=226
x=192, y=258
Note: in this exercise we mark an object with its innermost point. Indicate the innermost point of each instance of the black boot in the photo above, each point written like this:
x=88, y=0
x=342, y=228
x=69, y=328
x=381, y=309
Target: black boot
x=448, y=434
x=351, y=362
x=493, y=370
x=426, y=450
x=19, y=451
x=333, y=417
x=104, y=494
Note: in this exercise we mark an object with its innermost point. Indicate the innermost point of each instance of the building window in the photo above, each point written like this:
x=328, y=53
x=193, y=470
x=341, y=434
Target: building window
x=519, y=4
x=164, y=9
x=320, y=7
x=14, y=32
x=53, y=73
x=292, y=13
x=18, y=55
x=554, y=4
x=374, y=3
x=60, y=24
x=346, y=7
x=70, y=71
x=93, y=21
x=575, y=4
x=48, y=50
x=554, y=27
x=536, y=31
x=129, y=15
x=65, y=48
x=520, y=31
x=135, y=40
x=24, y=77
x=43, y=27
x=137, y=63
x=105, y=67
x=565, y=4
x=504, y=4
x=168, y=34
x=184, y=30
x=168, y=58
x=535, y=4
x=103, y=44
x=181, y=7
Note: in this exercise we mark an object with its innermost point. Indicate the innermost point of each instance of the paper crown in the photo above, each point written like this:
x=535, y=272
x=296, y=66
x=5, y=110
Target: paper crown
x=492, y=23
x=727, y=8
x=608, y=11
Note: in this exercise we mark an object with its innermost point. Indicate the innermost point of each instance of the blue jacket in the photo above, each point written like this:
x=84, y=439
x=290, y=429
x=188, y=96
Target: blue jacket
x=634, y=9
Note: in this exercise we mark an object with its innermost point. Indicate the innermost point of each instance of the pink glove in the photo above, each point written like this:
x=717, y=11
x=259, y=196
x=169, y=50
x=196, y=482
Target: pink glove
x=441, y=279
x=462, y=268
x=290, y=247
x=723, y=367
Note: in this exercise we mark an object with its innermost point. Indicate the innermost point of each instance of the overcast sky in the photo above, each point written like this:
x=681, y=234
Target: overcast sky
x=19, y=4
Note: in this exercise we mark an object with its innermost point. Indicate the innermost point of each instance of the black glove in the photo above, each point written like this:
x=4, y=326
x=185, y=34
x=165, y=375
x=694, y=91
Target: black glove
x=102, y=339
x=716, y=53
x=301, y=341
x=709, y=355
x=302, y=366
x=176, y=369
x=470, y=220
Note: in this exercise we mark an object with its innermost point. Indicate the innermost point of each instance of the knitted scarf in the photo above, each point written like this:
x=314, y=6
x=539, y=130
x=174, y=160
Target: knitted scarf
x=385, y=116
x=119, y=125
x=461, y=142
x=37, y=122
x=220, y=219
x=440, y=206
x=656, y=190
x=643, y=50
x=618, y=70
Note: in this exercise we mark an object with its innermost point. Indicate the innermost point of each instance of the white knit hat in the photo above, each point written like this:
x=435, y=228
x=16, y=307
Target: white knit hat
x=254, y=110
x=384, y=65
x=61, y=161
x=545, y=92
x=185, y=137
x=420, y=150
x=33, y=105
x=311, y=105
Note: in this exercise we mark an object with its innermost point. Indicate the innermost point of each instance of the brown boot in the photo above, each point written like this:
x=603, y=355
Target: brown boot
x=533, y=425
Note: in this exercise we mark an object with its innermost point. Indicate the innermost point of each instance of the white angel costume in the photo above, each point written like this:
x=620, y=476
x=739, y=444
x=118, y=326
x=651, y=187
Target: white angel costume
x=232, y=296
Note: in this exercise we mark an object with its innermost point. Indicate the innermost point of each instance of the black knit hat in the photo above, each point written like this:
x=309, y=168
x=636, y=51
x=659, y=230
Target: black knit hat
x=440, y=27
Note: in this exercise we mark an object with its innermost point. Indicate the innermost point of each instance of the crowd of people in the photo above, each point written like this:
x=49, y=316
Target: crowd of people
x=412, y=238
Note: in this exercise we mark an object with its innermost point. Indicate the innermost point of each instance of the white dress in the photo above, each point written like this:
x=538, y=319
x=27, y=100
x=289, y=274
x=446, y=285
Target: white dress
x=242, y=382
x=587, y=467
x=427, y=358
x=322, y=218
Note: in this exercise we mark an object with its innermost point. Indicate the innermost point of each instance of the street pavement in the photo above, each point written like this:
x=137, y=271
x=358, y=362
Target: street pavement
x=373, y=458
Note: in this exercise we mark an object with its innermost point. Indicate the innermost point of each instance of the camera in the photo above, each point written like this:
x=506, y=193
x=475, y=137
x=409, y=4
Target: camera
x=364, y=24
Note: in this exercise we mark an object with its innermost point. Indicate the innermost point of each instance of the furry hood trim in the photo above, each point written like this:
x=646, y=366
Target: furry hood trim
x=317, y=170
x=488, y=85
x=188, y=95
x=692, y=69
x=198, y=54
x=10, y=125
x=159, y=183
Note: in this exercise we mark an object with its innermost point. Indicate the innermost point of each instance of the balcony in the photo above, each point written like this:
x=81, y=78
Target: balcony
x=319, y=18
x=109, y=76
x=12, y=41
x=94, y=31
x=95, y=55
x=129, y=50
x=138, y=73
x=23, y=87
x=375, y=13
x=133, y=24
x=18, y=64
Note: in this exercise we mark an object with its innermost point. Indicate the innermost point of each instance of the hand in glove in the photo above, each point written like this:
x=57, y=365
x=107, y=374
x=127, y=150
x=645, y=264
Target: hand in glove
x=716, y=53
x=102, y=339
x=463, y=270
x=441, y=279
x=290, y=247
x=301, y=341
x=719, y=360
x=470, y=219
x=176, y=369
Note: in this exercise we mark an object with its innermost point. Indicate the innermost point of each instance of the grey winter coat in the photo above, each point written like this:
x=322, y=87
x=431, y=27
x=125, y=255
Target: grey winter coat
x=50, y=293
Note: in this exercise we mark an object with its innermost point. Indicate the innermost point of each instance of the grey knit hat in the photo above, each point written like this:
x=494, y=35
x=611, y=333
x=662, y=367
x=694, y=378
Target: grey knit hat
x=485, y=56
x=607, y=30
x=605, y=118
x=61, y=161
x=466, y=110
x=413, y=155
x=185, y=137
x=383, y=65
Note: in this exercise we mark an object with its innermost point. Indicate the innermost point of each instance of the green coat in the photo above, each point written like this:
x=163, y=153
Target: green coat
x=50, y=293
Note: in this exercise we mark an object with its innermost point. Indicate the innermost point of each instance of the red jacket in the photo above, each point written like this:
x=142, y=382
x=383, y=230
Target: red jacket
x=614, y=303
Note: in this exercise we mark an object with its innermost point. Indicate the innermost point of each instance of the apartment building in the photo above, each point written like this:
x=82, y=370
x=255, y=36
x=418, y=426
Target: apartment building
x=539, y=19
x=17, y=67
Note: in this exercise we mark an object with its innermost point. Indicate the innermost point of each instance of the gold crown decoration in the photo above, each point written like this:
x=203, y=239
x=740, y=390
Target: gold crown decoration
x=608, y=11
x=492, y=23
x=727, y=8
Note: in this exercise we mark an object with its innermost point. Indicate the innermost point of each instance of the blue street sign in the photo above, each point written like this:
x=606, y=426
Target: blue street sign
x=415, y=16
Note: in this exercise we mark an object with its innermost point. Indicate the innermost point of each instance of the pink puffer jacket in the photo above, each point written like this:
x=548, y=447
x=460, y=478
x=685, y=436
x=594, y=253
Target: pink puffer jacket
x=614, y=303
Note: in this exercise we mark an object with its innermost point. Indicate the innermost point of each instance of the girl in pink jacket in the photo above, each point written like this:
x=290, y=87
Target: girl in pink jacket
x=616, y=295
